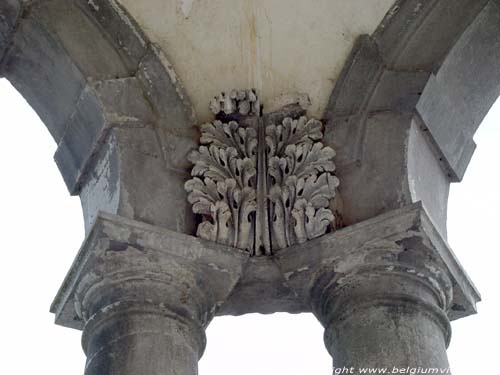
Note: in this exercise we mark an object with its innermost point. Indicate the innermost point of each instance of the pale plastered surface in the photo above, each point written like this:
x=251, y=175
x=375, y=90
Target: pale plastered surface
x=279, y=47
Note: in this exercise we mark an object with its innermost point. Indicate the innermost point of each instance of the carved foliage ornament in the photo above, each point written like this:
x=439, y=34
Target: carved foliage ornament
x=259, y=185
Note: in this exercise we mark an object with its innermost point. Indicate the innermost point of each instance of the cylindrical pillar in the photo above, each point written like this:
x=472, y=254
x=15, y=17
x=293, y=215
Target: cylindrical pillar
x=143, y=296
x=140, y=317
x=387, y=316
x=133, y=339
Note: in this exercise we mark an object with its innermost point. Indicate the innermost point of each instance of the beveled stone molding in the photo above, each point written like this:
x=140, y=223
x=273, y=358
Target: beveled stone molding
x=383, y=274
x=290, y=280
x=458, y=96
x=400, y=242
x=183, y=274
x=102, y=105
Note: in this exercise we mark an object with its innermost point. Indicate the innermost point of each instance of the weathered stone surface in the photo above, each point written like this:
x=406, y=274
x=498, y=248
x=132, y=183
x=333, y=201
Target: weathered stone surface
x=128, y=38
x=456, y=99
x=387, y=320
x=40, y=69
x=102, y=105
x=387, y=303
x=386, y=81
x=408, y=231
x=261, y=185
x=288, y=281
x=132, y=272
x=176, y=118
x=76, y=63
x=54, y=51
x=262, y=289
x=10, y=11
x=81, y=38
x=131, y=339
x=128, y=178
x=401, y=118
x=62, y=48
x=143, y=296
x=419, y=34
x=119, y=252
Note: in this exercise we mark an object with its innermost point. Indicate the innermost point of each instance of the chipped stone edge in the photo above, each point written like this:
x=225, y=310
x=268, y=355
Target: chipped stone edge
x=412, y=218
x=197, y=252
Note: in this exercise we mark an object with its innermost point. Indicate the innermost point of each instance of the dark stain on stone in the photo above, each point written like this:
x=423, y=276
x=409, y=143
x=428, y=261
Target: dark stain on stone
x=133, y=240
x=117, y=246
x=456, y=307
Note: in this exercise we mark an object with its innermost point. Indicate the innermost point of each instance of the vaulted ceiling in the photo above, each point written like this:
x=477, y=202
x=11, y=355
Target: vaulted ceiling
x=279, y=47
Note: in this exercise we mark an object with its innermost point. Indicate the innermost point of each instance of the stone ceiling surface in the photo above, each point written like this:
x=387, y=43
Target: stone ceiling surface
x=279, y=47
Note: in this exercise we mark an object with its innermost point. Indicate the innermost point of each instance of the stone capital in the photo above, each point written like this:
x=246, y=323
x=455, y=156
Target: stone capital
x=385, y=290
x=385, y=276
x=397, y=255
x=143, y=296
x=125, y=266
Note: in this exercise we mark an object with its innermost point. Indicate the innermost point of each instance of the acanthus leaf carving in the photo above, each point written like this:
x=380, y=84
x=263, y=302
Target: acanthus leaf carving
x=222, y=189
x=243, y=174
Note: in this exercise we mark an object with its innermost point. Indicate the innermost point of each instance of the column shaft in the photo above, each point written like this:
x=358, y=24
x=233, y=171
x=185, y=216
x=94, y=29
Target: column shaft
x=141, y=340
x=388, y=312
x=394, y=334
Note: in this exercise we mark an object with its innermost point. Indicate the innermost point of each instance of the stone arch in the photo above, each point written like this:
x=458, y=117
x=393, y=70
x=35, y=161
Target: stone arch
x=123, y=124
x=92, y=76
x=426, y=78
x=69, y=58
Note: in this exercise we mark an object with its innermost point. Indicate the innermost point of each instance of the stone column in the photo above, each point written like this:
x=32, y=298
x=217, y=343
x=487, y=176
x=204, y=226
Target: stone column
x=142, y=315
x=143, y=296
x=142, y=338
x=386, y=309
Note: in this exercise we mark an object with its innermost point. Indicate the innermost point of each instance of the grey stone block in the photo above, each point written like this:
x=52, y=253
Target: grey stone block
x=458, y=97
x=95, y=55
x=10, y=11
x=176, y=117
x=55, y=51
x=42, y=71
x=408, y=229
x=196, y=275
x=128, y=38
x=101, y=106
x=417, y=35
x=359, y=77
x=128, y=177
